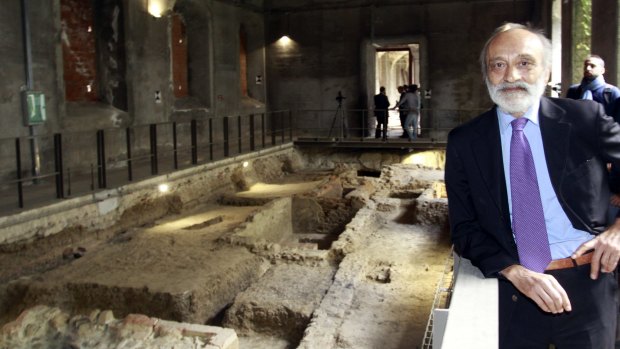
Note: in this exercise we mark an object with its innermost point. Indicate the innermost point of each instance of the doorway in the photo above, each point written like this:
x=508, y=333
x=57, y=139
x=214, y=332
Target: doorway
x=396, y=66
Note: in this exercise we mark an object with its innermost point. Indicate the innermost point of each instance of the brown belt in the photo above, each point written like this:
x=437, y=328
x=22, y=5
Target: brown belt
x=570, y=262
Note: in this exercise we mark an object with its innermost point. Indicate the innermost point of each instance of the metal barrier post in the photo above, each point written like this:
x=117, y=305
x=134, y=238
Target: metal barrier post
x=101, y=165
x=18, y=163
x=210, y=139
x=129, y=161
x=273, y=130
x=153, y=141
x=365, y=123
x=194, y=141
x=252, y=144
x=239, y=133
x=226, y=139
x=262, y=126
x=282, y=127
x=290, y=125
x=58, y=165
x=174, y=146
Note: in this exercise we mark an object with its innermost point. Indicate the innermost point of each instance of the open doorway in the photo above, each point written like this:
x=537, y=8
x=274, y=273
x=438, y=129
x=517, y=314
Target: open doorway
x=396, y=66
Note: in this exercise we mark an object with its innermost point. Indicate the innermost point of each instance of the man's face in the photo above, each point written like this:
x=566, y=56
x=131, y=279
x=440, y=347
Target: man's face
x=593, y=68
x=516, y=75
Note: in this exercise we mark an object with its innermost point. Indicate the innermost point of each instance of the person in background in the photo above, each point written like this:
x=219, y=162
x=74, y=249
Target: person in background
x=528, y=194
x=402, y=110
x=413, y=102
x=594, y=87
x=381, y=113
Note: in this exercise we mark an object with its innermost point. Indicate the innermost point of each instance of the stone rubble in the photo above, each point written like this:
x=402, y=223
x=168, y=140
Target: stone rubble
x=44, y=327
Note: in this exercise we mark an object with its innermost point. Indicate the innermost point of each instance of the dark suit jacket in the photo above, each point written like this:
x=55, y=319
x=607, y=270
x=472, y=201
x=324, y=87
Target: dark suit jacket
x=381, y=105
x=578, y=138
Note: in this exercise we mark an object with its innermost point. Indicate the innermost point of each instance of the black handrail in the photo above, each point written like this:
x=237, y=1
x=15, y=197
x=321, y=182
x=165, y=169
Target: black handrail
x=109, y=155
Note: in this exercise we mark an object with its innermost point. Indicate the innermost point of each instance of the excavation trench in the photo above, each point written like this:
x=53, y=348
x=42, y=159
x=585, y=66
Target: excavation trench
x=268, y=262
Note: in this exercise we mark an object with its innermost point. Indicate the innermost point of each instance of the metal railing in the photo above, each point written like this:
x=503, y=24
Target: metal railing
x=360, y=123
x=77, y=163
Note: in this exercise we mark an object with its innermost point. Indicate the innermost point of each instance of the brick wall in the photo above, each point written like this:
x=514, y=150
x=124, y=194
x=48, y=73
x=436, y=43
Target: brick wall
x=179, y=56
x=79, y=52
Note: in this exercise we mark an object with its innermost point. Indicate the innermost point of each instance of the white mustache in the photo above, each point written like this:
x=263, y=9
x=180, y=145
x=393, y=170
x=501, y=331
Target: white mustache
x=511, y=85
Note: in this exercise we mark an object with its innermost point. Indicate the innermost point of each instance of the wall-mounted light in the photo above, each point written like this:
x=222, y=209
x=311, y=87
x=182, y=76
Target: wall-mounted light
x=163, y=188
x=245, y=164
x=157, y=8
x=285, y=28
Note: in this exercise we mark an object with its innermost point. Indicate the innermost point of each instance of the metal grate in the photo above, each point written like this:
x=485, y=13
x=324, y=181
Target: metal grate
x=441, y=300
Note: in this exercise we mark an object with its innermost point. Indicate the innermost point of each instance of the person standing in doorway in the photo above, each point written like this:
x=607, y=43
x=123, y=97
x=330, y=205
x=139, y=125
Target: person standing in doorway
x=402, y=109
x=381, y=113
x=413, y=101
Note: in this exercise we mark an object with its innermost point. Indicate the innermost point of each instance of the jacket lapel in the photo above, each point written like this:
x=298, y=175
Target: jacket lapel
x=555, y=133
x=487, y=150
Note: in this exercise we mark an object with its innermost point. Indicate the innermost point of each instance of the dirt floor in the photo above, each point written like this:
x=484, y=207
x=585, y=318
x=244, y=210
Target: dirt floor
x=254, y=262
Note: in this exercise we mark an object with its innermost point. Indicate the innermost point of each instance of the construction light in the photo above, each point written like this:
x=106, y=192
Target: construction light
x=163, y=188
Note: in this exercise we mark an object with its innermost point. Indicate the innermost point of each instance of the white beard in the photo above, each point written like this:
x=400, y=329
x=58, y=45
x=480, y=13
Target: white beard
x=516, y=102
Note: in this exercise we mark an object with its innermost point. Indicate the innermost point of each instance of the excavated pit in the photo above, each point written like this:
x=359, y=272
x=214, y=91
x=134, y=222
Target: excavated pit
x=331, y=260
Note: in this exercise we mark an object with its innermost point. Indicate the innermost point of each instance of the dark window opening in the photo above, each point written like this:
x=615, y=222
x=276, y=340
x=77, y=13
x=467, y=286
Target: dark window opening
x=179, y=56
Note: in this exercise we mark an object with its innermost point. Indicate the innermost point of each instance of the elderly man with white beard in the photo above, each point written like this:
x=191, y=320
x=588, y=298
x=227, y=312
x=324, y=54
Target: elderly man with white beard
x=528, y=196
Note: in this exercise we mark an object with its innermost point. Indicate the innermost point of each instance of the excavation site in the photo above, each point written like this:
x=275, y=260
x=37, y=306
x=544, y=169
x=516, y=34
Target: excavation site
x=287, y=248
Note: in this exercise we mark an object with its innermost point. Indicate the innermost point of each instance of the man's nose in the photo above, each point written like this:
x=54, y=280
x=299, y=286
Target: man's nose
x=512, y=74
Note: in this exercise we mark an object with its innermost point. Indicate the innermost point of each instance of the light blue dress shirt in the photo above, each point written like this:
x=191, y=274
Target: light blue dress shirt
x=563, y=237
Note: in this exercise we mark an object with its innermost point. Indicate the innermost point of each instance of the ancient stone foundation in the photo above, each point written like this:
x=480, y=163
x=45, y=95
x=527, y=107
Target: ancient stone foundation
x=341, y=256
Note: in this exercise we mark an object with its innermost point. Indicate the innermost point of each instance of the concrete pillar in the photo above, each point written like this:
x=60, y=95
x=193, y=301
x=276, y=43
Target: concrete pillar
x=605, y=36
x=567, y=46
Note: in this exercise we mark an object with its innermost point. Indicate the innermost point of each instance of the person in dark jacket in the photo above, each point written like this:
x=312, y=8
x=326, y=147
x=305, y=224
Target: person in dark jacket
x=381, y=113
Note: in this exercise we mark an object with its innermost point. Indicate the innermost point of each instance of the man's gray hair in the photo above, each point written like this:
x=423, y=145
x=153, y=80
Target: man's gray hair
x=547, y=48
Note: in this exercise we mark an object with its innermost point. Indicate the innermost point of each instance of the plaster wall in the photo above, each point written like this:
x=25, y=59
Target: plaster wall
x=327, y=54
x=147, y=71
x=13, y=68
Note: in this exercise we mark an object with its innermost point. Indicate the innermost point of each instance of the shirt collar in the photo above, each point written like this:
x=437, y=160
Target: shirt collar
x=531, y=114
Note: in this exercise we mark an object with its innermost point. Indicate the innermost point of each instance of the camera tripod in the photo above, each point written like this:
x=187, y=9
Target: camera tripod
x=339, y=114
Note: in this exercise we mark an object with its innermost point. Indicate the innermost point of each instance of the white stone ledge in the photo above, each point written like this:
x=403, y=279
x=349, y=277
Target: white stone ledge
x=472, y=319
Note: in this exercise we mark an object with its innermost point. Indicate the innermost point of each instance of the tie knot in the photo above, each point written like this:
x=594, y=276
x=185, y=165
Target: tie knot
x=518, y=124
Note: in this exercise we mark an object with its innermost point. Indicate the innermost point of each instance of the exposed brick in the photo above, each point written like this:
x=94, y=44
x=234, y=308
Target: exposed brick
x=79, y=50
x=179, y=57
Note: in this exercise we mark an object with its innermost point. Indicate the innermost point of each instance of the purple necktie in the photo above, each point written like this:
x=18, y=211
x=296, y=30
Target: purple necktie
x=528, y=219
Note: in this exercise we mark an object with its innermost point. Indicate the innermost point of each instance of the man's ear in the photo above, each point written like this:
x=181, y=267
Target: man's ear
x=548, y=75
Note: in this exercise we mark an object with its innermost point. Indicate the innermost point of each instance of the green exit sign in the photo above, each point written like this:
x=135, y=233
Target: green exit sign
x=34, y=107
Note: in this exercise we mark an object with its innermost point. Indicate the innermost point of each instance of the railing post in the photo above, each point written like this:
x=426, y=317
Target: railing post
x=174, y=146
x=282, y=131
x=252, y=144
x=365, y=123
x=273, y=130
x=18, y=165
x=226, y=138
x=194, y=140
x=101, y=165
x=153, y=141
x=58, y=166
x=210, y=139
x=239, y=133
x=262, y=126
x=129, y=161
x=290, y=125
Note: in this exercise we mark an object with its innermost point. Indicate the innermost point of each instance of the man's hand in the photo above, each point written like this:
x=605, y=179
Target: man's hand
x=543, y=289
x=606, y=250
x=615, y=200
